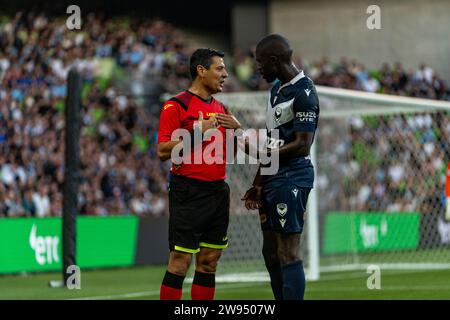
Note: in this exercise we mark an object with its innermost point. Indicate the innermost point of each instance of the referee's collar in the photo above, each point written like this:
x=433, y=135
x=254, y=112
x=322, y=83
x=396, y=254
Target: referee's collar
x=300, y=75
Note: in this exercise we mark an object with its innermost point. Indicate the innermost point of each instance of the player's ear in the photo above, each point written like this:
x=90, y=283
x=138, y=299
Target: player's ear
x=273, y=60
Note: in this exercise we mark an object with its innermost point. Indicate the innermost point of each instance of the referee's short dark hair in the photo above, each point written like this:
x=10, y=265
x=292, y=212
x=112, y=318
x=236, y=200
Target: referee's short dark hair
x=202, y=57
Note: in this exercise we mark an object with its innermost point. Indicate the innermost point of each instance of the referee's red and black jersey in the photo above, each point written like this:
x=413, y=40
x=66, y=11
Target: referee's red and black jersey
x=182, y=111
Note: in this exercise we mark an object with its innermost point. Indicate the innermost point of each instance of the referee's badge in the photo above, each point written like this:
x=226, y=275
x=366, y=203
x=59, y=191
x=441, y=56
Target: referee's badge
x=282, y=209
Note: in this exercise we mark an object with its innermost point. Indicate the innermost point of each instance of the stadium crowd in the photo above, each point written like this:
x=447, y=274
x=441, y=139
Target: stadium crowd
x=352, y=74
x=388, y=164
x=120, y=173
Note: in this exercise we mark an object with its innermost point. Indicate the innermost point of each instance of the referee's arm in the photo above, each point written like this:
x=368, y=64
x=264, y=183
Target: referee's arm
x=164, y=149
x=169, y=122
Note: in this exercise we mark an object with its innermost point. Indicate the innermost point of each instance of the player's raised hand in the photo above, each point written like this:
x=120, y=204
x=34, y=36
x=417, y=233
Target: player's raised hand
x=252, y=198
x=228, y=121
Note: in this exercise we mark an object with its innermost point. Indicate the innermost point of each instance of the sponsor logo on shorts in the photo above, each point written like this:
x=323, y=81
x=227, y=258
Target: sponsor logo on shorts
x=282, y=221
x=282, y=209
x=295, y=191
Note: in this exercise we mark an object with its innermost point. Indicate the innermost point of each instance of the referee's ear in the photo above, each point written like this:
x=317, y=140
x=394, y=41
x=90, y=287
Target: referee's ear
x=201, y=70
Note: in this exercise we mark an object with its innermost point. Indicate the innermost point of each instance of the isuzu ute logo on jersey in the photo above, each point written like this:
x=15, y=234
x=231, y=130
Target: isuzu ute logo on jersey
x=45, y=247
x=306, y=116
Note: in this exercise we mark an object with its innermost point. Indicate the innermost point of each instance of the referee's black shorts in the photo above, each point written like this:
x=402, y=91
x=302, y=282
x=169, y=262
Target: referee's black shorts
x=199, y=214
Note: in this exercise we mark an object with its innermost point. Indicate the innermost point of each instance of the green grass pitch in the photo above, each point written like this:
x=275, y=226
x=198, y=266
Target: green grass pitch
x=144, y=282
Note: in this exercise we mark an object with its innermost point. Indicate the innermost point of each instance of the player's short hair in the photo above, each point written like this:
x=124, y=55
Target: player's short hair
x=275, y=44
x=202, y=57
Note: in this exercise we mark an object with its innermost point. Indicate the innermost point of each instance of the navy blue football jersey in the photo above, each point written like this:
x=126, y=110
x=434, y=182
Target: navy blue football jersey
x=292, y=107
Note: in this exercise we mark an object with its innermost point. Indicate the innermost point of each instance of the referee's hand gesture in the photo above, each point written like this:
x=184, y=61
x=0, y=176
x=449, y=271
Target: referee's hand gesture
x=228, y=121
x=205, y=125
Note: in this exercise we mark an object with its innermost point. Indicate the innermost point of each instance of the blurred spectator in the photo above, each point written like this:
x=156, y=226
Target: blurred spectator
x=28, y=204
x=41, y=201
x=424, y=74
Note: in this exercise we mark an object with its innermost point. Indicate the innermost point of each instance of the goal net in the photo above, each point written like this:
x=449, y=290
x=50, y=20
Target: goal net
x=379, y=195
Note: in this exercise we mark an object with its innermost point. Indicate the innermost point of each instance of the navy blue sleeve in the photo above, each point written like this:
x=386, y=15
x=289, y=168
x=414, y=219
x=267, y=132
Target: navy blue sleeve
x=306, y=110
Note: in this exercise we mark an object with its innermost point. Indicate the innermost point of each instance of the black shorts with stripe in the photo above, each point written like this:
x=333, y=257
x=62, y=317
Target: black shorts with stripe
x=199, y=214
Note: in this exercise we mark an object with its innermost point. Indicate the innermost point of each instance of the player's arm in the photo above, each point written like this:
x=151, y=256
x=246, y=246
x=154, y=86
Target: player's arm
x=253, y=195
x=299, y=147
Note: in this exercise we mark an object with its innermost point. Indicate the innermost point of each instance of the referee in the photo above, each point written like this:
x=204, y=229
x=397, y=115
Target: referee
x=199, y=198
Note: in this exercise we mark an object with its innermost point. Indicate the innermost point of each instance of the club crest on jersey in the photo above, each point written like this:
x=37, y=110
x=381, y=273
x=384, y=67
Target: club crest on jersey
x=282, y=221
x=282, y=209
x=295, y=191
x=277, y=113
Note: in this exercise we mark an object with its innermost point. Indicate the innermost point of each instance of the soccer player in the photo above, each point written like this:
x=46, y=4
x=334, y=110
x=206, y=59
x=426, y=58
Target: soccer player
x=293, y=110
x=199, y=198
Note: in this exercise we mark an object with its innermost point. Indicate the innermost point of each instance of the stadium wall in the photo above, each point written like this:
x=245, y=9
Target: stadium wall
x=412, y=31
x=248, y=22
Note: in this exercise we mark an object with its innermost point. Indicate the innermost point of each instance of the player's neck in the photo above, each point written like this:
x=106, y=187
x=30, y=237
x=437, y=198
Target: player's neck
x=288, y=73
x=200, y=91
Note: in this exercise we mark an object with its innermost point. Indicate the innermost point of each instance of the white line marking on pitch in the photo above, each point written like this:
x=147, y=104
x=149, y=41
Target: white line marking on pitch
x=155, y=293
